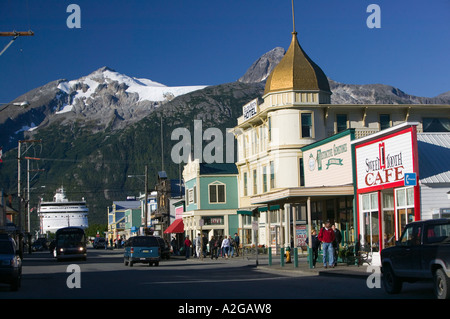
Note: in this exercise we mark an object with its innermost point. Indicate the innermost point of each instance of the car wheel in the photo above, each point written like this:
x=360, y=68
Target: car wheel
x=392, y=283
x=157, y=263
x=441, y=283
x=125, y=262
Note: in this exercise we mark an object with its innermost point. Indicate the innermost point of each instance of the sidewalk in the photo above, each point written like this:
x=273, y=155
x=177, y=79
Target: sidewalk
x=302, y=269
x=341, y=270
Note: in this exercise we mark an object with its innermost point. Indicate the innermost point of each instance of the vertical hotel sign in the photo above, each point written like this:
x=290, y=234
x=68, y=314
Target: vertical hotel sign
x=383, y=162
x=250, y=109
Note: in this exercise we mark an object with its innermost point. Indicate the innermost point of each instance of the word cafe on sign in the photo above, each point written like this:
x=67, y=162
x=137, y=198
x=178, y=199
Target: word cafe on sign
x=385, y=202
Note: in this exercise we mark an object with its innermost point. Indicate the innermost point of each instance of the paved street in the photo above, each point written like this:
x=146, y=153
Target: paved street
x=104, y=275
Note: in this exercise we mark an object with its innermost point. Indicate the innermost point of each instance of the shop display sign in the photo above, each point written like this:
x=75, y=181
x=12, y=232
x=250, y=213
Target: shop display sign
x=301, y=235
x=384, y=162
x=329, y=163
x=213, y=220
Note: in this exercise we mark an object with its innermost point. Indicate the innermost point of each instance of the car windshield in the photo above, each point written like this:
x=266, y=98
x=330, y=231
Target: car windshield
x=6, y=248
x=144, y=242
x=70, y=240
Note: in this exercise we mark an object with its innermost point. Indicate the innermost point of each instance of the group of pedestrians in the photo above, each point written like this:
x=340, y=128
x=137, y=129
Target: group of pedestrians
x=222, y=246
x=330, y=237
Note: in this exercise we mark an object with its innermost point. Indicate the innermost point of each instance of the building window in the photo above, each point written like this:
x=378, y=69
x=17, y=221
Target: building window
x=302, y=172
x=245, y=184
x=191, y=196
x=306, y=119
x=341, y=122
x=264, y=179
x=436, y=125
x=272, y=175
x=385, y=121
x=371, y=220
x=195, y=194
x=244, y=146
x=216, y=193
x=254, y=141
x=269, y=124
x=404, y=198
x=255, y=182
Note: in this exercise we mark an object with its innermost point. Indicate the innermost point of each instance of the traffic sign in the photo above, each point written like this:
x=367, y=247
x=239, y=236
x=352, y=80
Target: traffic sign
x=410, y=179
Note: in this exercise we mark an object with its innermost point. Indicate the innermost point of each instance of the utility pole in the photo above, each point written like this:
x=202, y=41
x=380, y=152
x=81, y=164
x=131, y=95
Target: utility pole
x=146, y=198
x=28, y=188
x=14, y=34
x=19, y=154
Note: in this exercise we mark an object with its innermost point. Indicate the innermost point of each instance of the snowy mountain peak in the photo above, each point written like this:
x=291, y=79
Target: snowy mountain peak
x=146, y=89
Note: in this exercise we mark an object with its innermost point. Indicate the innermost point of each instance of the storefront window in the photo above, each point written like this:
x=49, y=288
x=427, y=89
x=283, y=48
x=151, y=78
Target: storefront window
x=405, y=207
x=371, y=220
x=388, y=219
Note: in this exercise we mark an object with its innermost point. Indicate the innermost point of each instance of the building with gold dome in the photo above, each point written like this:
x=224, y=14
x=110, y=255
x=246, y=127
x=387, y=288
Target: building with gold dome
x=294, y=112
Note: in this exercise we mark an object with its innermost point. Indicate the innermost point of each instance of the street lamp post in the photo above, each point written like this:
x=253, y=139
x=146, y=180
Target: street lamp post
x=146, y=197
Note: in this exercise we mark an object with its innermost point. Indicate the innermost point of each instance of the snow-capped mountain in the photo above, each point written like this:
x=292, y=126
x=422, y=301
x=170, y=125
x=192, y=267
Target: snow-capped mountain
x=106, y=95
x=103, y=99
x=146, y=90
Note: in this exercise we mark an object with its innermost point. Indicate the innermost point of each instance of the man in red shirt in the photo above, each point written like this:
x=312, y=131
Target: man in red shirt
x=326, y=236
x=187, y=247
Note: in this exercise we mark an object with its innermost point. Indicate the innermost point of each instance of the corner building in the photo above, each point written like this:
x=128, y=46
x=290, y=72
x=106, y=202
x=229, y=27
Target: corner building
x=294, y=112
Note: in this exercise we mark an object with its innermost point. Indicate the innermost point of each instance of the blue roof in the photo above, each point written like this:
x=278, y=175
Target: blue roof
x=127, y=204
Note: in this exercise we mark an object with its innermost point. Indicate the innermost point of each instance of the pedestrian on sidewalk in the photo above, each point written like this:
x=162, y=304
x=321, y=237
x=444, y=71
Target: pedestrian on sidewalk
x=198, y=245
x=336, y=243
x=237, y=243
x=232, y=246
x=326, y=236
x=213, y=247
x=225, y=247
x=187, y=247
x=315, y=243
x=219, y=247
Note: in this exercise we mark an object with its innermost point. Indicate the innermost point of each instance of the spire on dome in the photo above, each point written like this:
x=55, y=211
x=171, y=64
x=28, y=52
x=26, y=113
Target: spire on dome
x=296, y=71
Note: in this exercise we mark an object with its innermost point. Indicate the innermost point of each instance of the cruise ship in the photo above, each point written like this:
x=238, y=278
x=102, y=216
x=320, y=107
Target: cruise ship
x=62, y=213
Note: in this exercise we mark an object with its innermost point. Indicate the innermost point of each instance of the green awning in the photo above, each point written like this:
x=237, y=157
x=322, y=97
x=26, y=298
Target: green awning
x=272, y=207
x=245, y=212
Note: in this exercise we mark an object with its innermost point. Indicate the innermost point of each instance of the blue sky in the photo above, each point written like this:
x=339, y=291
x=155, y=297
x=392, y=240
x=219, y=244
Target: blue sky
x=208, y=42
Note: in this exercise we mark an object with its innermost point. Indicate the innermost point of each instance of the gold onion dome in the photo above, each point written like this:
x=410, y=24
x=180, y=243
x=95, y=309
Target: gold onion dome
x=296, y=71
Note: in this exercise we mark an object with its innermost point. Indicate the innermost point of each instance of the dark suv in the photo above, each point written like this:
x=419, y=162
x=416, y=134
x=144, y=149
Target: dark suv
x=10, y=263
x=142, y=249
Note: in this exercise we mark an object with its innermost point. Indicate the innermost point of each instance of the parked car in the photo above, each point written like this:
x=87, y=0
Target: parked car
x=10, y=263
x=142, y=249
x=40, y=244
x=422, y=253
x=99, y=242
x=165, y=248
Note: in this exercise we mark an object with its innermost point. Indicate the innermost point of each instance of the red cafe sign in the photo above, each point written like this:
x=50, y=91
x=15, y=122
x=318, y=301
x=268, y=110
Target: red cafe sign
x=382, y=163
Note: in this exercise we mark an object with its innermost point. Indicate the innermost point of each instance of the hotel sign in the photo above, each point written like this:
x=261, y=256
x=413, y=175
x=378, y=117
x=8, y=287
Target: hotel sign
x=250, y=109
x=328, y=162
x=384, y=162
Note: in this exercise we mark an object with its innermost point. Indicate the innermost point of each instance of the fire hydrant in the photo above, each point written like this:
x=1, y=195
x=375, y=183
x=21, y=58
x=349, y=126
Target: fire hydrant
x=288, y=255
